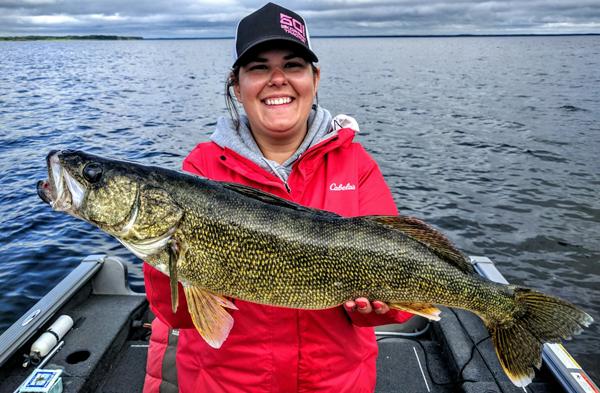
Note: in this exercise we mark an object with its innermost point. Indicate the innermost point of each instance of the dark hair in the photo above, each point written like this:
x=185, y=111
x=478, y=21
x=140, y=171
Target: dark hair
x=232, y=79
x=232, y=108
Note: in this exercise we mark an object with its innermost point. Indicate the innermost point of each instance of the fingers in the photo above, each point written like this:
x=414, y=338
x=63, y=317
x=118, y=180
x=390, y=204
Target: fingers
x=380, y=307
x=350, y=305
x=363, y=306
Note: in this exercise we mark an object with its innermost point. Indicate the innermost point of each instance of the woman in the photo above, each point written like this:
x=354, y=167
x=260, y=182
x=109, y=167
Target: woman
x=292, y=148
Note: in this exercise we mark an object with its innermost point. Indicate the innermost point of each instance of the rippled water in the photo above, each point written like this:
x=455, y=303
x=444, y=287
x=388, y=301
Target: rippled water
x=493, y=140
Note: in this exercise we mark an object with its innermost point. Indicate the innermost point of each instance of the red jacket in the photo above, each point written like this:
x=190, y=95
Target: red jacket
x=274, y=349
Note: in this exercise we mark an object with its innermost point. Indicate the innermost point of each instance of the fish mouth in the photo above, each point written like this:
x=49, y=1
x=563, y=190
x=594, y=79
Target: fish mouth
x=43, y=190
x=61, y=190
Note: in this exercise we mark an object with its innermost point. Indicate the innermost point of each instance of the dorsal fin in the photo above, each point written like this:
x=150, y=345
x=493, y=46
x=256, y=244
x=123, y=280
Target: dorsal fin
x=427, y=235
x=271, y=199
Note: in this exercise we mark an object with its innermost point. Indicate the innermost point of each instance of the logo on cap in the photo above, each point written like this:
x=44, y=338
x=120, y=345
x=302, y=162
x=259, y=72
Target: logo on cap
x=292, y=26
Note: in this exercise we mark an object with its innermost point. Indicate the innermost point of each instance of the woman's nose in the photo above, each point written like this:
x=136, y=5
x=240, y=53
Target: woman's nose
x=278, y=77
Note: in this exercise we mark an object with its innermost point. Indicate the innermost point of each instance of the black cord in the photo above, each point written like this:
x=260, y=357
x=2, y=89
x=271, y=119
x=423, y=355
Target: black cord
x=465, y=329
x=337, y=123
x=459, y=380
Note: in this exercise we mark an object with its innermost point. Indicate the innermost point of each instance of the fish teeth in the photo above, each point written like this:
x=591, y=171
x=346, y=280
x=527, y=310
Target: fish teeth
x=67, y=192
x=76, y=189
x=278, y=100
x=57, y=178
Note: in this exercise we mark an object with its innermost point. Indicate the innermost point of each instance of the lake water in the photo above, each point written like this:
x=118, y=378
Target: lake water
x=493, y=140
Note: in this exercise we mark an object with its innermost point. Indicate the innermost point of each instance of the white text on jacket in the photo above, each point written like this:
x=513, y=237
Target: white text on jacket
x=341, y=187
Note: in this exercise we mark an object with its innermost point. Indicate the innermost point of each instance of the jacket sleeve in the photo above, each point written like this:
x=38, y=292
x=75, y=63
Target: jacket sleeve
x=158, y=289
x=375, y=199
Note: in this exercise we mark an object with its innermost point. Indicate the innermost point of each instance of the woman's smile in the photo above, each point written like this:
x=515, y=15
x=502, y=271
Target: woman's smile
x=278, y=101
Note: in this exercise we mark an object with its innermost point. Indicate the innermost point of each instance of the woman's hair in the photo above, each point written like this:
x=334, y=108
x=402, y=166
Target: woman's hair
x=232, y=108
x=232, y=79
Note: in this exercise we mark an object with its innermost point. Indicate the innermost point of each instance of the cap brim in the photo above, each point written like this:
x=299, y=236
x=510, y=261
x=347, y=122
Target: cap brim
x=310, y=54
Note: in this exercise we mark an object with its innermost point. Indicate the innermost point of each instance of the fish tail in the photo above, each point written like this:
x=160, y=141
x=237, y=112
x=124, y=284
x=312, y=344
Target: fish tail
x=539, y=319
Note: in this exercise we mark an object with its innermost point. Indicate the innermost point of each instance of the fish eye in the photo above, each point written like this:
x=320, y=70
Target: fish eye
x=92, y=172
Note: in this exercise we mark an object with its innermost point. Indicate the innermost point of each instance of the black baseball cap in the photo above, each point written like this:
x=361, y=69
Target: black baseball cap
x=272, y=23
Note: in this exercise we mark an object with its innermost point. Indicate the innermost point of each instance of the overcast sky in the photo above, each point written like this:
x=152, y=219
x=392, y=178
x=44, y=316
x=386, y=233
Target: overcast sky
x=207, y=18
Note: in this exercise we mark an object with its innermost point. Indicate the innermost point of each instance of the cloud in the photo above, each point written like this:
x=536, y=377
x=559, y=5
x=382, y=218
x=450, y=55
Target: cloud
x=207, y=18
x=43, y=20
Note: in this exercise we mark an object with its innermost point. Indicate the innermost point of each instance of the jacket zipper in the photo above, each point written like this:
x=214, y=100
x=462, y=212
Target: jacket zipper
x=287, y=187
x=274, y=171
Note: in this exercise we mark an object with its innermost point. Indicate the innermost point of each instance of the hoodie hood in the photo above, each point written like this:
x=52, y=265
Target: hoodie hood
x=320, y=127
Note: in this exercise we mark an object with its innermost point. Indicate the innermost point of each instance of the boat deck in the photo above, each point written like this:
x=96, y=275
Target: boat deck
x=106, y=351
x=105, y=345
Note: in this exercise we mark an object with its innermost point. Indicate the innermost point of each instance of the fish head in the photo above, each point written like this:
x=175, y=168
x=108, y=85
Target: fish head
x=100, y=191
x=126, y=200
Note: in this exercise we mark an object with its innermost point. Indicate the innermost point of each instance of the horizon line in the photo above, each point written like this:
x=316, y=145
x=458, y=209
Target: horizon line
x=325, y=36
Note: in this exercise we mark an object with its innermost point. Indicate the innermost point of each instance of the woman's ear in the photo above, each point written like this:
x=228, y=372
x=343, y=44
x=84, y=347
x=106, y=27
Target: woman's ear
x=236, y=91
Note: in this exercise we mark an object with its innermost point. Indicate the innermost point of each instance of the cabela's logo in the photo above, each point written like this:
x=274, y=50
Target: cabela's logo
x=341, y=187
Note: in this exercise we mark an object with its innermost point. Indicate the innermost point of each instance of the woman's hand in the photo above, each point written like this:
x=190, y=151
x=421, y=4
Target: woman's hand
x=363, y=306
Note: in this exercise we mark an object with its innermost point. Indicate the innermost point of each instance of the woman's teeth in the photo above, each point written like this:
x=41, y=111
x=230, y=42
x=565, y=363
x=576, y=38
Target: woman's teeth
x=278, y=101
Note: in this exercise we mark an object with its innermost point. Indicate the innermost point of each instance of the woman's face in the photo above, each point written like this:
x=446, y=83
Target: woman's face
x=277, y=88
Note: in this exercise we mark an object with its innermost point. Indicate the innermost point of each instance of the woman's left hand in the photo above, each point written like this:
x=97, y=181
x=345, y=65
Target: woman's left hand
x=363, y=306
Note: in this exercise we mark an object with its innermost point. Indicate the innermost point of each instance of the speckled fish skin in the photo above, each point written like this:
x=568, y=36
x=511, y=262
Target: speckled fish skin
x=241, y=243
x=299, y=259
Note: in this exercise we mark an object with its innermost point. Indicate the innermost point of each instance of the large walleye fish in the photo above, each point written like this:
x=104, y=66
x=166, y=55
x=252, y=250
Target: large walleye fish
x=223, y=240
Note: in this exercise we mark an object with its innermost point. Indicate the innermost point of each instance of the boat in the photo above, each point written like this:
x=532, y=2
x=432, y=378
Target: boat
x=106, y=348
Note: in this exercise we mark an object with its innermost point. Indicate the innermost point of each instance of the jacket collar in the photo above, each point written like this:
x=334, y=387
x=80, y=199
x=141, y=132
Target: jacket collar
x=240, y=139
x=306, y=163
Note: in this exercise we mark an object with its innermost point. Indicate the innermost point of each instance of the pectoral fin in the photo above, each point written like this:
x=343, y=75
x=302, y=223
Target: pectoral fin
x=426, y=310
x=173, y=257
x=208, y=313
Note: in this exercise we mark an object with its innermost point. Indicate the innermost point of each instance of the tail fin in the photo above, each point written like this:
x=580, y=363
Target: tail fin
x=540, y=319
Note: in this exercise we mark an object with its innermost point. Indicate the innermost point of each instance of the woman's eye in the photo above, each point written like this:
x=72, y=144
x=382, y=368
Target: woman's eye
x=293, y=65
x=258, y=67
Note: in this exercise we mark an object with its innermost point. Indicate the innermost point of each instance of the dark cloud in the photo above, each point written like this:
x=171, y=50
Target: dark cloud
x=206, y=18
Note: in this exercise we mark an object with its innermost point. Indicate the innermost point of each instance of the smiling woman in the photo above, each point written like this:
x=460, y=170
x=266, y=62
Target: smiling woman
x=288, y=145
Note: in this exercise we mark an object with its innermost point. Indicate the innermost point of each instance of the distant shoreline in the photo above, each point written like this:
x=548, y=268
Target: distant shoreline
x=69, y=38
x=119, y=38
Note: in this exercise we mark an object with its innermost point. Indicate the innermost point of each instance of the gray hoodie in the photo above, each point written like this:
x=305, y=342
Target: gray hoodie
x=242, y=142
